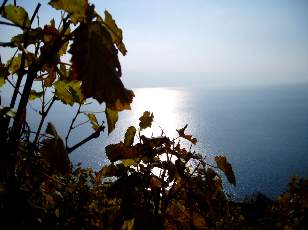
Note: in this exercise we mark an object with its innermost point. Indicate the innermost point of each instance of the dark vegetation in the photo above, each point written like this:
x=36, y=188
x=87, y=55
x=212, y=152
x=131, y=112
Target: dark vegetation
x=151, y=182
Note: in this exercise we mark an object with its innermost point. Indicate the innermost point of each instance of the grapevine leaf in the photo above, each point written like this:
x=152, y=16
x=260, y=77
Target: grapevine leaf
x=50, y=33
x=120, y=151
x=69, y=92
x=34, y=35
x=14, y=64
x=95, y=62
x=115, y=31
x=112, y=118
x=63, y=48
x=188, y=137
x=76, y=8
x=129, y=136
x=226, y=167
x=146, y=120
x=7, y=112
x=51, y=130
x=16, y=14
x=93, y=120
x=34, y=95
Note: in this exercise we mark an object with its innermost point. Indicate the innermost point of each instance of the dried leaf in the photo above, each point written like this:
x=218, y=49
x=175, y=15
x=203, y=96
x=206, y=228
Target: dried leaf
x=16, y=14
x=146, y=120
x=129, y=136
x=226, y=167
x=188, y=137
x=95, y=62
x=3, y=73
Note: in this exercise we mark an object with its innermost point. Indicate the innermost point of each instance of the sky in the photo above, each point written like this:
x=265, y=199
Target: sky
x=179, y=39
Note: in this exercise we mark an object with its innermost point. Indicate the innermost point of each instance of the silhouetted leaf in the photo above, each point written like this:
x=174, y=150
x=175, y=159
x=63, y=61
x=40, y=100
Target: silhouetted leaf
x=129, y=136
x=226, y=167
x=112, y=118
x=188, y=137
x=76, y=8
x=95, y=63
x=146, y=120
x=33, y=36
x=120, y=151
x=34, y=95
x=16, y=14
x=198, y=221
x=53, y=150
x=115, y=31
x=69, y=92
x=3, y=73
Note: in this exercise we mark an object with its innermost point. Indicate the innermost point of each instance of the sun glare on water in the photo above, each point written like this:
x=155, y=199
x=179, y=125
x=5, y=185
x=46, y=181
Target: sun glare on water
x=164, y=103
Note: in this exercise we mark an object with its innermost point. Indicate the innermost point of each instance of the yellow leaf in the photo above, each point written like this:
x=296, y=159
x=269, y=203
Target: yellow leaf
x=14, y=64
x=63, y=48
x=69, y=92
x=17, y=15
x=76, y=8
x=226, y=167
x=34, y=95
x=128, y=162
x=115, y=31
x=93, y=120
x=112, y=118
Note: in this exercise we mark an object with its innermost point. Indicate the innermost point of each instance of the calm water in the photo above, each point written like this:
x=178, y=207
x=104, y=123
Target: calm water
x=263, y=131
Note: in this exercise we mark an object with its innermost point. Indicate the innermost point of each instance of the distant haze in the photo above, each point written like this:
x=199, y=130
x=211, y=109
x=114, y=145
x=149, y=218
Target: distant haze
x=177, y=39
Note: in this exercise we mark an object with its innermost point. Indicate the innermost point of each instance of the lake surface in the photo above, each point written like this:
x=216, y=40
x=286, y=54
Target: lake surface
x=263, y=131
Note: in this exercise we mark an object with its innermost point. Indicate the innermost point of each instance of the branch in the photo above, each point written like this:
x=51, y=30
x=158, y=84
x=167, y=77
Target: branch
x=92, y=136
x=44, y=115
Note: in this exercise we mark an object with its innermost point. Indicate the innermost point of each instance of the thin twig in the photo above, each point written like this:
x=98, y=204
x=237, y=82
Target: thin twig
x=80, y=124
x=71, y=125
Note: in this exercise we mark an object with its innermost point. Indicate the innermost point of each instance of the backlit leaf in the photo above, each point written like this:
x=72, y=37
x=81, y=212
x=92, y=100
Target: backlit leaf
x=33, y=36
x=93, y=120
x=63, y=48
x=112, y=118
x=226, y=167
x=34, y=95
x=129, y=136
x=95, y=62
x=69, y=92
x=16, y=14
x=76, y=8
x=14, y=64
x=115, y=31
x=146, y=120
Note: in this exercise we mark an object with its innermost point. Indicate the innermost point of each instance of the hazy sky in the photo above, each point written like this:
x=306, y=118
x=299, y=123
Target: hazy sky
x=169, y=37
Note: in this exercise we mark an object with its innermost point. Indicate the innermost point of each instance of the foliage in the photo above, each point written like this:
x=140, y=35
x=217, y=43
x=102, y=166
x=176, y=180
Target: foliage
x=151, y=182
